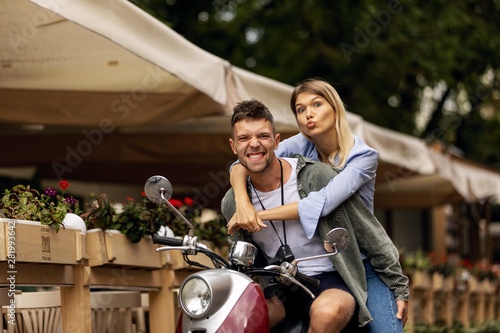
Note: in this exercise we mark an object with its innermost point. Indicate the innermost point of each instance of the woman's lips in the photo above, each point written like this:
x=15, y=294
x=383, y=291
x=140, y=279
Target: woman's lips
x=311, y=124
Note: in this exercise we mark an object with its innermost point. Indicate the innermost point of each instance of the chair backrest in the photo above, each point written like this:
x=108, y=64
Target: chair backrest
x=113, y=311
x=35, y=312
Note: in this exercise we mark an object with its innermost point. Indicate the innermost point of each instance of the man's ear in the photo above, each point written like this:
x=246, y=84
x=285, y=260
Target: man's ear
x=232, y=147
x=277, y=139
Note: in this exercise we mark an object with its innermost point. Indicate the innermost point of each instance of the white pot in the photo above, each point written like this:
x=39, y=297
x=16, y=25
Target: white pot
x=165, y=231
x=74, y=221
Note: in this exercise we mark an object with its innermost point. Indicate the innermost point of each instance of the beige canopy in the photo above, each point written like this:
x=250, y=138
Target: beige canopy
x=100, y=91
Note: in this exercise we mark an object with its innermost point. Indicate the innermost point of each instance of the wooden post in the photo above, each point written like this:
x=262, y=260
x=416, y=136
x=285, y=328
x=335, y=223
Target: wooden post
x=480, y=311
x=463, y=308
x=75, y=302
x=490, y=306
x=161, y=304
x=410, y=323
x=428, y=305
x=439, y=230
x=446, y=297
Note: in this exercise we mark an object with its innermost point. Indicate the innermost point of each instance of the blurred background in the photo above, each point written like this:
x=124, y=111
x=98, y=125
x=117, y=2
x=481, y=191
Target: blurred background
x=420, y=79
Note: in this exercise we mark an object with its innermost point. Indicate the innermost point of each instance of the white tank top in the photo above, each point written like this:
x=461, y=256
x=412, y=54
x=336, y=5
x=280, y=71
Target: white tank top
x=269, y=242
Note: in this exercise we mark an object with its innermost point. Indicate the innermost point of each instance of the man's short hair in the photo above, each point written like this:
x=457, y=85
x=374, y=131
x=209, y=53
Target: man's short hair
x=252, y=109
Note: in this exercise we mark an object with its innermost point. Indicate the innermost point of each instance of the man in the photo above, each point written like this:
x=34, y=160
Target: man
x=275, y=182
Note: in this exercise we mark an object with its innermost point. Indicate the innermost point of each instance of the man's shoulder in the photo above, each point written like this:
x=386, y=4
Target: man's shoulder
x=310, y=165
x=228, y=205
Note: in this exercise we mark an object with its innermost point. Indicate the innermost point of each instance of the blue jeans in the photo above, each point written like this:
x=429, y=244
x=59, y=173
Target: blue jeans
x=381, y=304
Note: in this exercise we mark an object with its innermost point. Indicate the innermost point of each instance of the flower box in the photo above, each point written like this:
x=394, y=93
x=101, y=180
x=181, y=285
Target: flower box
x=437, y=282
x=487, y=286
x=37, y=243
x=112, y=248
x=449, y=283
x=421, y=280
x=473, y=284
x=177, y=261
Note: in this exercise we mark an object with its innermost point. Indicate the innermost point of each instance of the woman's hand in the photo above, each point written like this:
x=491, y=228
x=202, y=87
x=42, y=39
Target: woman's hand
x=246, y=217
x=402, y=311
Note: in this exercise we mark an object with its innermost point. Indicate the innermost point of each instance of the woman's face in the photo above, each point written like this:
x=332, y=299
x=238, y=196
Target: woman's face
x=314, y=114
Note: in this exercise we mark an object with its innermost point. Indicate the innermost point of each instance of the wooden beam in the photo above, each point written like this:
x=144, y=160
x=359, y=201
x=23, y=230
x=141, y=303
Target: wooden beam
x=37, y=274
x=125, y=279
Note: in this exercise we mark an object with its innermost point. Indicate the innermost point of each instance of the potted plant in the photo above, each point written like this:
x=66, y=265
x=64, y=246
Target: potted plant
x=417, y=266
x=136, y=221
x=49, y=208
x=35, y=221
x=100, y=214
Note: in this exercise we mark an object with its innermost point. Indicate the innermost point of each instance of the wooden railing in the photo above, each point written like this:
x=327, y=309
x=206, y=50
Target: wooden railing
x=434, y=299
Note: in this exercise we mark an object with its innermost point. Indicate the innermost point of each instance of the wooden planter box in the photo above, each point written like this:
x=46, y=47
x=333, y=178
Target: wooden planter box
x=421, y=280
x=177, y=261
x=487, y=287
x=473, y=284
x=112, y=248
x=437, y=282
x=38, y=243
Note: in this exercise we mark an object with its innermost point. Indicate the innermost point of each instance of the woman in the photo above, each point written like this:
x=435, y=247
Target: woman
x=326, y=136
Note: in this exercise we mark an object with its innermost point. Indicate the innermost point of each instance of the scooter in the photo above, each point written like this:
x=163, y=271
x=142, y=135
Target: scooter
x=226, y=297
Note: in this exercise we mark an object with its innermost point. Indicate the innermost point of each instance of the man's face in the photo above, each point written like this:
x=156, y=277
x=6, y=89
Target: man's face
x=254, y=144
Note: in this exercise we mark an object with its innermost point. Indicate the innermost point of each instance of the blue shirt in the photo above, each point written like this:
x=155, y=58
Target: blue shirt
x=357, y=176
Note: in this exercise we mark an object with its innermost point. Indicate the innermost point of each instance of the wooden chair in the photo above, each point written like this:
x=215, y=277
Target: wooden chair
x=113, y=311
x=36, y=312
x=40, y=312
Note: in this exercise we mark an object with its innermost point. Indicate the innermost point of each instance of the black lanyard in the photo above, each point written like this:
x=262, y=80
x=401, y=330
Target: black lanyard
x=282, y=203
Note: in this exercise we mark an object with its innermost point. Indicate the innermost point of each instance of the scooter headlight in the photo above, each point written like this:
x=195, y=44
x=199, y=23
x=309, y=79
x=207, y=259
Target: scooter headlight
x=195, y=297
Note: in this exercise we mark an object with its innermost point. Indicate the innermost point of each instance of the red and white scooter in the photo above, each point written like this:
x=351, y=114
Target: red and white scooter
x=227, y=298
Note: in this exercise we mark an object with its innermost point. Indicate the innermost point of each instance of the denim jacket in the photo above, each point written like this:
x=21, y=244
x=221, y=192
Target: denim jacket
x=366, y=232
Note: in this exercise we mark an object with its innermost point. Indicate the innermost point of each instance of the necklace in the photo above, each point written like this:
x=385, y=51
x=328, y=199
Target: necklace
x=282, y=203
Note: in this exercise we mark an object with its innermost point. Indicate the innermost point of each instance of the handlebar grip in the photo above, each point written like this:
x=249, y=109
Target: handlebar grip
x=171, y=241
x=307, y=280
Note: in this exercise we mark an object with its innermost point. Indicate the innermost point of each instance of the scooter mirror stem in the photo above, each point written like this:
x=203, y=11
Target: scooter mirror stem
x=191, y=228
x=296, y=261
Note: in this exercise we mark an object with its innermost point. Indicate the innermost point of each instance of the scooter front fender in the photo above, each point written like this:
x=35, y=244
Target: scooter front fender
x=239, y=305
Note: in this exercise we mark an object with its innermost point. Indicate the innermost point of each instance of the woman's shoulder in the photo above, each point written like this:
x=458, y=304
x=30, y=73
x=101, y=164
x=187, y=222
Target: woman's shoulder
x=361, y=148
x=362, y=154
x=296, y=144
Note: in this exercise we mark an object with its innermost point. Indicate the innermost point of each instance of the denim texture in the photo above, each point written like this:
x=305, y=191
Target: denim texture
x=381, y=304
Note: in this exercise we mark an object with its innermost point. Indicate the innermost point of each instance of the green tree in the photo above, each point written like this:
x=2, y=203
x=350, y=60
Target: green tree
x=427, y=68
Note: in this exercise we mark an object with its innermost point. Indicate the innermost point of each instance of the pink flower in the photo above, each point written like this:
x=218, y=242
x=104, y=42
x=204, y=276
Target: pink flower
x=71, y=200
x=50, y=192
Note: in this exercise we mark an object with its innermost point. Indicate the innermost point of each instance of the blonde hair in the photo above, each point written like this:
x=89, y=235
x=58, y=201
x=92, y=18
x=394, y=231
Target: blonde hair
x=344, y=133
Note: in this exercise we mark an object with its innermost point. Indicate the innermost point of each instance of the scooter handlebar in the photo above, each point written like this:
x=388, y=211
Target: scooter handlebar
x=307, y=280
x=171, y=241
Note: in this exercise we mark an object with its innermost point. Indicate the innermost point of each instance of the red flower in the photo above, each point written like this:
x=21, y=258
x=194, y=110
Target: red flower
x=188, y=201
x=143, y=193
x=63, y=184
x=176, y=203
x=130, y=199
x=467, y=263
